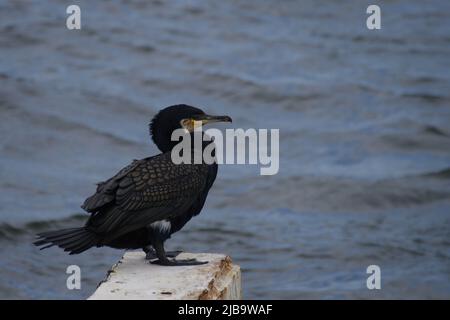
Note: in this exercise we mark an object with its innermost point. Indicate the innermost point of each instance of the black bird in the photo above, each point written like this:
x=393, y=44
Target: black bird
x=147, y=201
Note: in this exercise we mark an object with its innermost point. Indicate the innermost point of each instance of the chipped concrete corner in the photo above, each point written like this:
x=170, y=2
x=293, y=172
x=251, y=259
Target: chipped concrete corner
x=135, y=278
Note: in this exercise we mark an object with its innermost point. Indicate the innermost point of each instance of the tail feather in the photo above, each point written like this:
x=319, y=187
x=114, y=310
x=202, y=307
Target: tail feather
x=73, y=240
x=79, y=246
x=61, y=236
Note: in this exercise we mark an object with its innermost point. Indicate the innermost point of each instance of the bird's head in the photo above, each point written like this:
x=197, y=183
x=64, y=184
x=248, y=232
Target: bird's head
x=177, y=117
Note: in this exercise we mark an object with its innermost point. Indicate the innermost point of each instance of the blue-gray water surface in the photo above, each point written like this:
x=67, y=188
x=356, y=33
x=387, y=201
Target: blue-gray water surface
x=364, y=137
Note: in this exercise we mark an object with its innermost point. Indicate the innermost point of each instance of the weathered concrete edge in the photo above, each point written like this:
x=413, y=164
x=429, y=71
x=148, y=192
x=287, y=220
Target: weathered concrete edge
x=225, y=283
x=132, y=277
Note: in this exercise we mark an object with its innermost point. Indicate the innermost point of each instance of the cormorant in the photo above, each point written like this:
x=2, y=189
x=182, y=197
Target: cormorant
x=147, y=201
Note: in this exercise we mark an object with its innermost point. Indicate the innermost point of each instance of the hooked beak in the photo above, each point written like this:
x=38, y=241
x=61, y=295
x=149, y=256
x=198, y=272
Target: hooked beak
x=205, y=118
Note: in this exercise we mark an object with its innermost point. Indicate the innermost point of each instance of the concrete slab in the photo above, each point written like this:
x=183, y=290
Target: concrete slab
x=135, y=278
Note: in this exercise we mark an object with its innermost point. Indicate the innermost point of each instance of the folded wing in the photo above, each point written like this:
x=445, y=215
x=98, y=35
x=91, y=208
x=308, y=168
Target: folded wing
x=145, y=191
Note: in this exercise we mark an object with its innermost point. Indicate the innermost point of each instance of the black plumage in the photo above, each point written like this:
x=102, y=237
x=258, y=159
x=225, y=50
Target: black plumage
x=147, y=201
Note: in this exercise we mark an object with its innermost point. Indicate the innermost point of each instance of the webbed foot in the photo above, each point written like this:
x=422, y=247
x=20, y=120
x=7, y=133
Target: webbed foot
x=174, y=262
